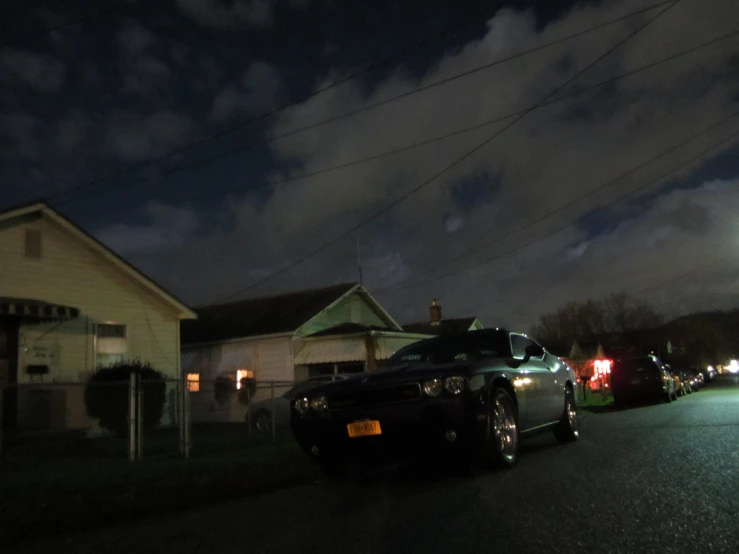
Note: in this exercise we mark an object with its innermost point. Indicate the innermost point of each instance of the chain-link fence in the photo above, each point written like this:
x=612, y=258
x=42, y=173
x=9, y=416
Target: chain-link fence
x=124, y=419
x=141, y=419
x=225, y=415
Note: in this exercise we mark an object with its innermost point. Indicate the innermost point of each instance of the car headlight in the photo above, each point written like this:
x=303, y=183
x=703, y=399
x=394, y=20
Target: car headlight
x=319, y=404
x=454, y=385
x=302, y=405
x=433, y=388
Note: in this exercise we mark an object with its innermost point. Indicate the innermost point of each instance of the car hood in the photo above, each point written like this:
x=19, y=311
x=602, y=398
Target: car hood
x=393, y=375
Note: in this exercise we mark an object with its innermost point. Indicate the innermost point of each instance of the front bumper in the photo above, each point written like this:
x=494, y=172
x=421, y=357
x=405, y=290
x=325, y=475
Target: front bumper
x=414, y=430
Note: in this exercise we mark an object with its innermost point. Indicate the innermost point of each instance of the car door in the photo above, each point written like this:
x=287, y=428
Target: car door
x=559, y=371
x=540, y=389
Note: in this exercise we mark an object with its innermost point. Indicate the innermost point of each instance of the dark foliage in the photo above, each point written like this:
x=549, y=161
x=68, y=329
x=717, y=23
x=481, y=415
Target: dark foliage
x=107, y=395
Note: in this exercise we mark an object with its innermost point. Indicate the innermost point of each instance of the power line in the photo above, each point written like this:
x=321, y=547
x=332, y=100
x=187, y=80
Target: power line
x=71, y=22
x=682, y=276
x=366, y=69
x=569, y=204
x=412, y=146
x=701, y=267
x=333, y=119
x=568, y=225
x=455, y=163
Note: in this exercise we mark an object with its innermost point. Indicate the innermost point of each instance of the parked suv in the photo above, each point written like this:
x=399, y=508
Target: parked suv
x=641, y=377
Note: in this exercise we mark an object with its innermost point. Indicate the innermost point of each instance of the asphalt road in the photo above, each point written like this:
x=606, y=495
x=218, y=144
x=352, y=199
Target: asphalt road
x=662, y=478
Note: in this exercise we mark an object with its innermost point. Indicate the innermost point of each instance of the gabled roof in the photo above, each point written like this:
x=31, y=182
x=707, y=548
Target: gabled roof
x=347, y=329
x=459, y=325
x=269, y=315
x=43, y=209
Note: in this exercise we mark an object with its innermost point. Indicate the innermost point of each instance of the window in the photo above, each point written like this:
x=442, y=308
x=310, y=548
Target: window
x=110, y=344
x=33, y=244
x=242, y=374
x=193, y=382
x=446, y=349
x=519, y=344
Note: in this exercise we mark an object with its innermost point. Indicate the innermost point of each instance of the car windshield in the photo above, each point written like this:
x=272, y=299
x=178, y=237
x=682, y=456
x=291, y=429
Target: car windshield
x=443, y=350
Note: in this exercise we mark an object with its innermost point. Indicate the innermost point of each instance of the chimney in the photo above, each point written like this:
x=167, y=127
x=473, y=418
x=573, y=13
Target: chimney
x=435, y=313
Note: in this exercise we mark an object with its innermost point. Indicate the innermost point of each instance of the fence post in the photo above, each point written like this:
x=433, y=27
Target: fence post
x=181, y=411
x=248, y=409
x=187, y=414
x=139, y=417
x=272, y=411
x=132, y=417
x=2, y=408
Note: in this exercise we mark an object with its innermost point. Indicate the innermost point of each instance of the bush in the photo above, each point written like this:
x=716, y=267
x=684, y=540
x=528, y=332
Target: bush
x=247, y=391
x=223, y=388
x=107, y=395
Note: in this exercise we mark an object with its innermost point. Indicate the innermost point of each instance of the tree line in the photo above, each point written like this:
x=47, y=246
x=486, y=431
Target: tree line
x=619, y=314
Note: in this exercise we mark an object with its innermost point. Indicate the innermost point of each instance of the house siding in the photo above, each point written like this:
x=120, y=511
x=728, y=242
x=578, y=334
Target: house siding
x=343, y=312
x=70, y=273
x=271, y=359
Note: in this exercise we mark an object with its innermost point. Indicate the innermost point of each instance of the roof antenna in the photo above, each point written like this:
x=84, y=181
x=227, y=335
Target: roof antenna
x=359, y=262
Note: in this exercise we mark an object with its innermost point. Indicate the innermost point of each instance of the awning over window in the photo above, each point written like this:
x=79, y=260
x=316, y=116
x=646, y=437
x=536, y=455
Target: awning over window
x=350, y=349
x=387, y=346
x=37, y=310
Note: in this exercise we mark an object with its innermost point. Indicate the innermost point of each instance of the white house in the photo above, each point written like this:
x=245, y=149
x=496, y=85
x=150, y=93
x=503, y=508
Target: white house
x=286, y=338
x=69, y=305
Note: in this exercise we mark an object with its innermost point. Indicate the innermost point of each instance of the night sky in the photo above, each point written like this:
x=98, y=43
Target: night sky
x=97, y=107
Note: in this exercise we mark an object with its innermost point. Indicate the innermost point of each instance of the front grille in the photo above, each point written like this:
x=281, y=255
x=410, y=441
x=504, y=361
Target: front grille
x=407, y=392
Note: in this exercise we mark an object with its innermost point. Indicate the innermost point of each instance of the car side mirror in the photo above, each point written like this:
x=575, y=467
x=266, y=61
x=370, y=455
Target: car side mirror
x=533, y=351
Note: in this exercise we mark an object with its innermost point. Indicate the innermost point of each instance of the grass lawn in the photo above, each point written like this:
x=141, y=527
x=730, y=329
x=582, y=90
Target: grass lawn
x=595, y=401
x=95, y=484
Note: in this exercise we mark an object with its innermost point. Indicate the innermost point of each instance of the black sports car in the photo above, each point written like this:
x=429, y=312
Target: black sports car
x=475, y=394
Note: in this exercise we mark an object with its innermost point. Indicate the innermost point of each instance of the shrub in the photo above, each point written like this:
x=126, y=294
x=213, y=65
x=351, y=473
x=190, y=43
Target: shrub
x=223, y=388
x=247, y=391
x=107, y=395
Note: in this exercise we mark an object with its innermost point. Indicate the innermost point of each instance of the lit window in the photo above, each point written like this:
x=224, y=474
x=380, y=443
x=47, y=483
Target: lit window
x=110, y=344
x=243, y=374
x=193, y=382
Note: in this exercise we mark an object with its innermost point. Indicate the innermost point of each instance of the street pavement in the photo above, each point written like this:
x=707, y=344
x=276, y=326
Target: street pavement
x=660, y=478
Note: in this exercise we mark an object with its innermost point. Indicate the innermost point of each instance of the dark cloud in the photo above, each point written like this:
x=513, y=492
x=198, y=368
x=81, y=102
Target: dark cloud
x=159, y=85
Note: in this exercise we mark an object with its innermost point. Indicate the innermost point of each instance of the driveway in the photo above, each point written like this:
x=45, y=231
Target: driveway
x=662, y=478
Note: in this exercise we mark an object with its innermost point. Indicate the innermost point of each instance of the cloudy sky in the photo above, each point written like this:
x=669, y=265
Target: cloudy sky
x=153, y=115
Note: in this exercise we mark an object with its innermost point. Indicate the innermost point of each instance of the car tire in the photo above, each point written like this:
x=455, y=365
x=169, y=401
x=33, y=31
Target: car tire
x=263, y=421
x=568, y=428
x=502, y=436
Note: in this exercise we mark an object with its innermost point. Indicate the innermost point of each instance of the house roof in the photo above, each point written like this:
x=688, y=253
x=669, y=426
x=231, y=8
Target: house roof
x=99, y=248
x=459, y=325
x=347, y=329
x=269, y=315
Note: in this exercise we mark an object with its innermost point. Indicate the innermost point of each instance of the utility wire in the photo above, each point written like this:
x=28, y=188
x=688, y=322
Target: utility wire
x=366, y=69
x=365, y=108
x=569, y=204
x=545, y=298
x=455, y=163
x=108, y=10
x=415, y=145
x=568, y=225
x=684, y=275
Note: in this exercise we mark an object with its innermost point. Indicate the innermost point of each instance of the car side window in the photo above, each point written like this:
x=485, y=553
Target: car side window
x=519, y=344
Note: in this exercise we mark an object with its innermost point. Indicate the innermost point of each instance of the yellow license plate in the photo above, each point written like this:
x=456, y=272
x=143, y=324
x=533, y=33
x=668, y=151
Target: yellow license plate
x=364, y=428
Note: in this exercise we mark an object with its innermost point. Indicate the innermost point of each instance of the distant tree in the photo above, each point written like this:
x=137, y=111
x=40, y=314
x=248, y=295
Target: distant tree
x=626, y=314
x=589, y=319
